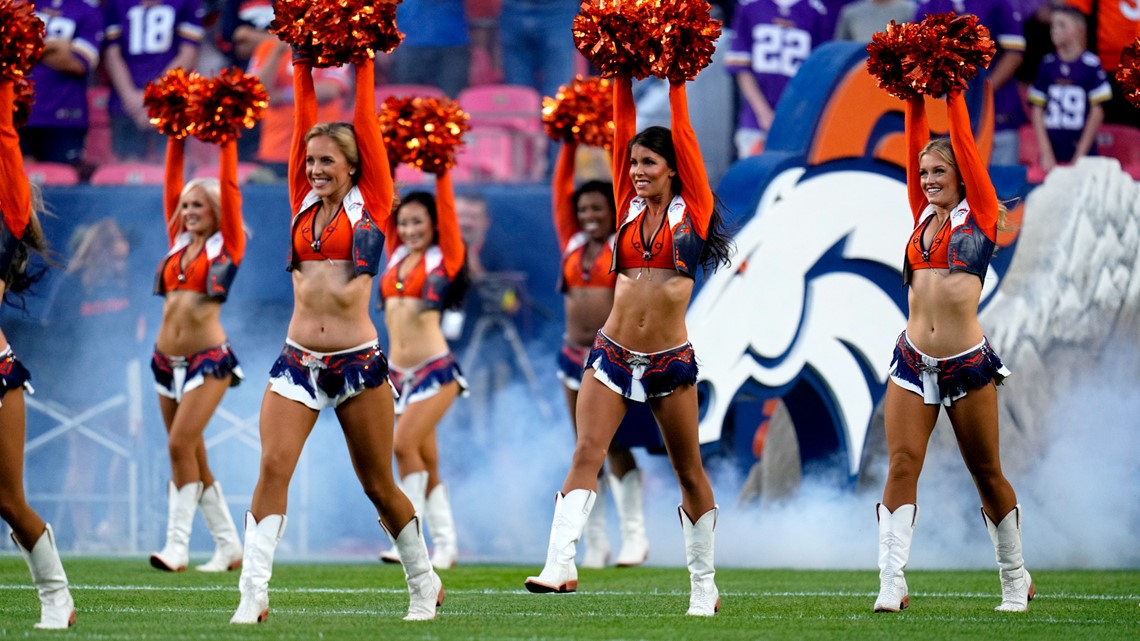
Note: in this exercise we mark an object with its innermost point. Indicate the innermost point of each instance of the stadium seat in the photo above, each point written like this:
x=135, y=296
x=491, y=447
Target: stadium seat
x=244, y=169
x=128, y=173
x=1121, y=142
x=488, y=155
x=97, y=147
x=1028, y=152
x=51, y=173
x=406, y=175
x=517, y=111
x=407, y=91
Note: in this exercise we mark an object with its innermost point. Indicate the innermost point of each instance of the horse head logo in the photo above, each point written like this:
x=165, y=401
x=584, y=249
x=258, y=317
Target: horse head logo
x=810, y=308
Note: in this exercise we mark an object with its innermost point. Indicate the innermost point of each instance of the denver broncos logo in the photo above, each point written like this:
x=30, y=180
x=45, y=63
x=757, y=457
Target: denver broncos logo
x=811, y=306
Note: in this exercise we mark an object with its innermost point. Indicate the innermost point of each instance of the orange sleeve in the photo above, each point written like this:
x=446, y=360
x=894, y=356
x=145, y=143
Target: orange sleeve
x=625, y=126
x=375, y=173
x=565, y=218
x=447, y=223
x=233, y=234
x=304, y=117
x=917, y=135
x=979, y=189
x=15, y=192
x=697, y=194
x=391, y=235
x=172, y=185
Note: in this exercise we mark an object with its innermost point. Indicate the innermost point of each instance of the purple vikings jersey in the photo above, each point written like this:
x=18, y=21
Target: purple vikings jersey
x=61, y=98
x=1003, y=20
x=1066, y=90
x=149, y=33
x=772, y=38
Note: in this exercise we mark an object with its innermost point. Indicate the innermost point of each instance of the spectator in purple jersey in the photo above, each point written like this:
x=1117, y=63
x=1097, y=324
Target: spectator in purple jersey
x=57, y=126
x=144, y=39
x=1069, y=92
x=770, y=40
x=1003, y=19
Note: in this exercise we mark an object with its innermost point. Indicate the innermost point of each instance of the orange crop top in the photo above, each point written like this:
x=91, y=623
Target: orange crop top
x=937, y=256
x=192, y=278
x=410, y=286
x=633, y=252
x=334, y=243
x=598, y=274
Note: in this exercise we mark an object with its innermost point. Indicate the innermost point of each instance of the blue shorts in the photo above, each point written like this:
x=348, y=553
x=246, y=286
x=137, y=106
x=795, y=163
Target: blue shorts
x=319, y=380
x=174, y=376
x=425, y=380
x=639, y=376
x=13, y=374
x=572, y=364
x=945, y=380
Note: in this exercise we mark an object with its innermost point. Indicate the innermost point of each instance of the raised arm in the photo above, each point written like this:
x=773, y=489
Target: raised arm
x=450, y=241
x=625, y=126
x=979, y=189
x=233, y=234
x=565, y=218
x=375, y=173
x=172, y=185
x=15, y=192
x=917, y=129
x=690, y=165
x=304, y=117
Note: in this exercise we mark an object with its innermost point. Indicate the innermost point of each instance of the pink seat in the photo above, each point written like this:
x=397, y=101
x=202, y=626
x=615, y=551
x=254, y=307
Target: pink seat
x=128, y=173
x=1121, y=142
x=244, y=169
x=1028, y=151
x=408, y=175
x=97, y=98
x=516, y=110
x=51, y=173
x=407, y=91
x=488, y=155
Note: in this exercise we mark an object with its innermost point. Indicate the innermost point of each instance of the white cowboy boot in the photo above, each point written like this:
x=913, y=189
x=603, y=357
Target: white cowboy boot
x=57, y=610
x=261, y=539
x=628, y=498
x=704, y=598
x=414, y=486
x=424, y=586
x=597, y=552
x=441, y=524
x=895, y=533
x=227, y=550
x=570, y=514
x=1017, y=588
x=182, y=503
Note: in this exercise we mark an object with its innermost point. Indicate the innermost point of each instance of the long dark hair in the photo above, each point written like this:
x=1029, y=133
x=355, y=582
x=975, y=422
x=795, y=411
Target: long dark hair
x=457, y=291
x=21, y=275
x=719, y=248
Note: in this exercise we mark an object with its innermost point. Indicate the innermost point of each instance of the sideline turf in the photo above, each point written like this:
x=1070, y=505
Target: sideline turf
x=126, y=599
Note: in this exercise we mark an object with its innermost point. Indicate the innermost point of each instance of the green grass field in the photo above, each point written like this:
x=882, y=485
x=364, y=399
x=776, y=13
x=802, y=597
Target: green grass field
x=126, y=599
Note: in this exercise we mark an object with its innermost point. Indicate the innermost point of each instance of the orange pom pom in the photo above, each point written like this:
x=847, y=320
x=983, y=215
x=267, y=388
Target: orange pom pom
x=336, y=32
x=21, y=38
x=617, y=37
x=423, y=132
x=1128, y=73
x=688, y=36
x=25, y=96
x=172, y=101
x=232, y=101
x=581, y=112
x=937, y=56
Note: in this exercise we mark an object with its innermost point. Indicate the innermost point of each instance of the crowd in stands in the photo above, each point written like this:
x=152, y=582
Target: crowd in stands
x=1056, y=98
